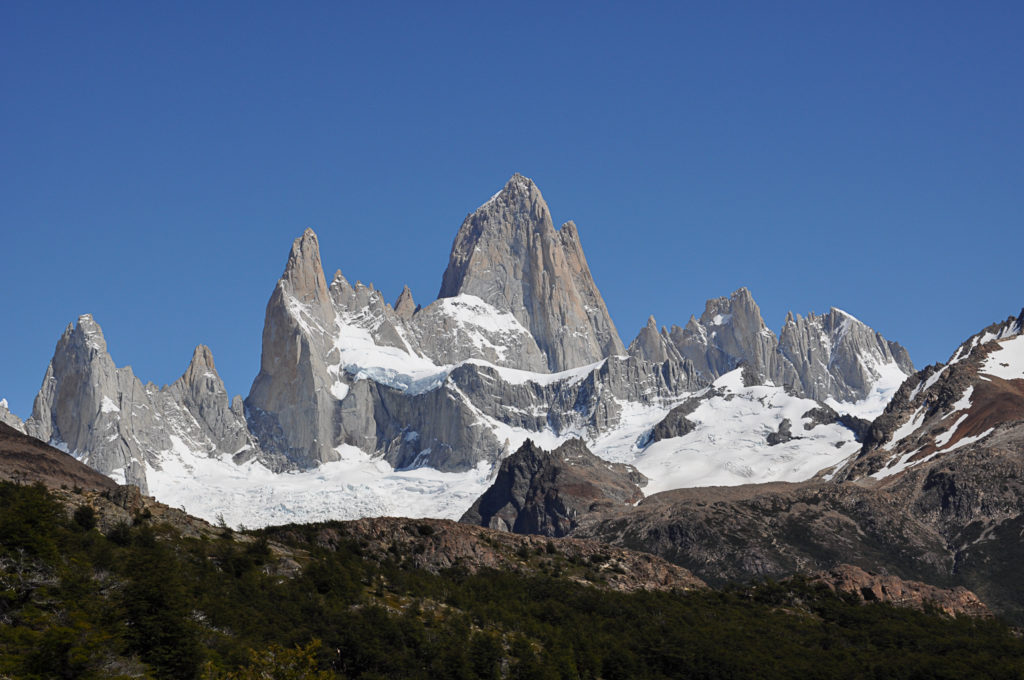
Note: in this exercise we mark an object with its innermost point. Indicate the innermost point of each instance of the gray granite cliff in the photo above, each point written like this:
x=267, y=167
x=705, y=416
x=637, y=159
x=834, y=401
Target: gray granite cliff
x=509, y=254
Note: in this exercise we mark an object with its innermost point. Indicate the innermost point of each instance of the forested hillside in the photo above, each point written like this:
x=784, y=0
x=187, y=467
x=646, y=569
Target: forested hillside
x=140, y=599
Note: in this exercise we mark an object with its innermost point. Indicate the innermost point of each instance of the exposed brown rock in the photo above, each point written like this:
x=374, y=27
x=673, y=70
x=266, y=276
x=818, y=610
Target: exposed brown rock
x=874, y=587
x=435, y=545
x=936, y=397
x=955, y=521
x=25, y=459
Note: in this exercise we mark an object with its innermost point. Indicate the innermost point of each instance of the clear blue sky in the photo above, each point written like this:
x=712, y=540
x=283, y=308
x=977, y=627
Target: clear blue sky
x=157, y=159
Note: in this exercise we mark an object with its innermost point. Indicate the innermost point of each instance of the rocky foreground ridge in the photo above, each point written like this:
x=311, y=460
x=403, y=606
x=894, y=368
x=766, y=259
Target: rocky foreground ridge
x=429, y=544
x=936, y=494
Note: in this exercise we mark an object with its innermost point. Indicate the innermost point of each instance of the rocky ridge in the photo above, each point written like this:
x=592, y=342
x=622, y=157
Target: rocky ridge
x=425, y=385
x=25, y=459
x=934, y=495
x=874, y=587
x=978, y=395
x=537, y=492
x=8, y=418
x=435, y=545
x=832, y=356
x=107, y=418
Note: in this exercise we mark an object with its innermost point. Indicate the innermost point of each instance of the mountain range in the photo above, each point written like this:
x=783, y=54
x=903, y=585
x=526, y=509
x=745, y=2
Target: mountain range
x=362, y=407
x=510, y=401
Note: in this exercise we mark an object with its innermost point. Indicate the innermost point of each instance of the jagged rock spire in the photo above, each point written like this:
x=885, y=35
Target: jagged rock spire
x=106, y=417
x=833, y=355
x=509, y=254
x=290, y=404
x=730, y=332
x=405, y=307
x=202, y=363
x=652, y=345
x=79, y=405
x=836, y=355
x=201, y=391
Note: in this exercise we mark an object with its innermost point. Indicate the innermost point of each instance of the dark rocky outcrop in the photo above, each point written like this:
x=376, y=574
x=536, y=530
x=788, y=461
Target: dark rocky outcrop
x=674, y=424
x=783, y=435
x=826, y=415
x=540, y=492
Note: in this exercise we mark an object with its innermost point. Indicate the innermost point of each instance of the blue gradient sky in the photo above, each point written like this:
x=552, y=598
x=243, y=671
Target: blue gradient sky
x=157, y=159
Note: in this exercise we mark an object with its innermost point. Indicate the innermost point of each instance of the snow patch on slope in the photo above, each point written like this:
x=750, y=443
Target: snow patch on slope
x=888, y=379
x=362, y=358
x=108, y=406
x=481, y=322
x=729, y=445
x=1008, y=361
x=355, y=486
x=514, y=376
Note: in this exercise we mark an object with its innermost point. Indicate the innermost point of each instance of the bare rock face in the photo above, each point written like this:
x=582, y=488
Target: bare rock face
x=653, y=345
x=455, y=329
x=835, y=355
x=730, y=332
x=874, y=587
x=509, y=255
x=79, y=406
x=537, y=492
x=8, y=418
x=290, y=406
x=106, y=417
x=820, y=357
x=405, y=306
